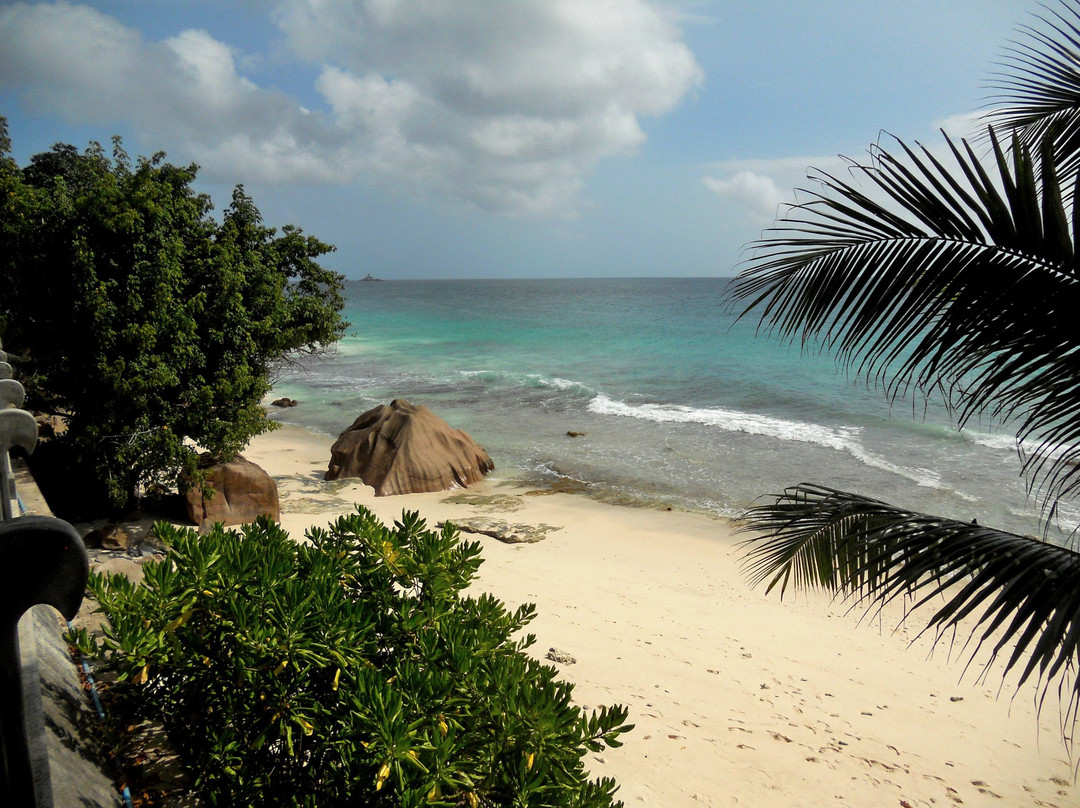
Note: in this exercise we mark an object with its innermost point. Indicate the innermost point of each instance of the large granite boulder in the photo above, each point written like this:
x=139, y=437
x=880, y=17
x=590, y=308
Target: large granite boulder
x=407, y=449
x=242, y=491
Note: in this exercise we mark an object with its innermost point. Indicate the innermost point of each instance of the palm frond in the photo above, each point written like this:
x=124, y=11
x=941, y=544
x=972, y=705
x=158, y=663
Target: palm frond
x=939, y=278
x=1022, y=595
x=1039, y=86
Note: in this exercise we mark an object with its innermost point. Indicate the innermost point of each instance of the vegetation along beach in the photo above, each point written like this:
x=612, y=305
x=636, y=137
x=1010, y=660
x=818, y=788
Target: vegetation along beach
x=785, y=515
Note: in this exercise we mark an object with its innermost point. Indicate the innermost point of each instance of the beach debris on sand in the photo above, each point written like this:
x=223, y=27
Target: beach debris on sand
x=563, y=658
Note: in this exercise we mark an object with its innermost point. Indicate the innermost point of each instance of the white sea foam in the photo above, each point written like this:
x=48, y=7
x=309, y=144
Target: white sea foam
x=525, y=379
x=842, y=439
x=1068, y=517
x=1010, y=443
x=991, y=440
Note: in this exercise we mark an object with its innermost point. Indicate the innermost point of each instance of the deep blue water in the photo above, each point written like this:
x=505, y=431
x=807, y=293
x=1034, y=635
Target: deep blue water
x=680, y=404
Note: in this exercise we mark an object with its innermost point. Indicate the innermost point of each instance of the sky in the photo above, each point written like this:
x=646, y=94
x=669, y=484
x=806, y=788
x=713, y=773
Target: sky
x=503, y=138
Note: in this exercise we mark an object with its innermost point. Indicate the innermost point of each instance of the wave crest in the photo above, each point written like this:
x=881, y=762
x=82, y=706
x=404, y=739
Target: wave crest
x=841, y=439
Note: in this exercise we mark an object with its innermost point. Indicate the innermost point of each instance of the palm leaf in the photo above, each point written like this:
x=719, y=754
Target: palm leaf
x=955, y=279
x=1022, y=595
x=1039, y=87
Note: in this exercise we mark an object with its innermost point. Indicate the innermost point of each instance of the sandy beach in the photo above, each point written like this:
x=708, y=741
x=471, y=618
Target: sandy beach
x=738, y=698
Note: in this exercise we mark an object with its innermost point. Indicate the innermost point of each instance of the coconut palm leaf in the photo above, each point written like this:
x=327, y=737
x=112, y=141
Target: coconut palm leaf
x=948, y=278
x=1021, y=595
x=945, y=274
x=1040, y=86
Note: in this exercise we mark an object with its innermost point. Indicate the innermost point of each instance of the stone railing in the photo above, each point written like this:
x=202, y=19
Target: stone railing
x=46, y=756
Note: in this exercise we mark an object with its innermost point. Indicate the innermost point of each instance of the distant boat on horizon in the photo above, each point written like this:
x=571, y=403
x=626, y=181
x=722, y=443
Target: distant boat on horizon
x=370, y=277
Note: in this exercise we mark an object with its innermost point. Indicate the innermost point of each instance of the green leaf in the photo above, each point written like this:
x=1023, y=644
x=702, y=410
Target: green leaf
x=1022, y=595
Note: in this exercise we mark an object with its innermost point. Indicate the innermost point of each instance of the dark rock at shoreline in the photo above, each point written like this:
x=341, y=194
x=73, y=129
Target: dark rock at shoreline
x=241, y=492
x=284, y=402
x=573, y=434
x=403, y=448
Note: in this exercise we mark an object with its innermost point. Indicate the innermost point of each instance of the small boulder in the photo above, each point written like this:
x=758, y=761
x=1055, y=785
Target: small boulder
x=403, y=448
x=284, y=402
x=109, y=537
x=122, y=565
x=242, y=491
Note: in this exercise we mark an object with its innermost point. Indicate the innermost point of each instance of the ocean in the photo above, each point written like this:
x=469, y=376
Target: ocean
x=678, y=402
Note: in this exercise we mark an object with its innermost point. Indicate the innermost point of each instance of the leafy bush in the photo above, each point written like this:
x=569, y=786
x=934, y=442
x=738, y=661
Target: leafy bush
x=346, y=670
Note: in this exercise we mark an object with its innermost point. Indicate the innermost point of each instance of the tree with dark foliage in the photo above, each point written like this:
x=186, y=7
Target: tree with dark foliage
x=144, y=321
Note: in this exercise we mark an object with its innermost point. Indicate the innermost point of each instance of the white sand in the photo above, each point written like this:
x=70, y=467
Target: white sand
x=738, y=698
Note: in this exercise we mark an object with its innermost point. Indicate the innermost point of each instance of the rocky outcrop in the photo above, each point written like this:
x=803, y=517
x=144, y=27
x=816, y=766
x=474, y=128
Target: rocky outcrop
x=284, y=402
x=506, y=532
x=242, y=491
x=403, y=448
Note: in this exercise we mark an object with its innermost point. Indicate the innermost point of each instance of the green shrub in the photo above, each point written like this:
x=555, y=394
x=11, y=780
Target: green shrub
x=348, y=670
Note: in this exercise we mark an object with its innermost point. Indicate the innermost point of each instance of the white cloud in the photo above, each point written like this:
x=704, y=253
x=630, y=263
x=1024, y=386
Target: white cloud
x=183, y=94
x=970, y=125
x=207, y=69
x=505, y=106
x=64, y=55
x=759, y=194
x=760, y=188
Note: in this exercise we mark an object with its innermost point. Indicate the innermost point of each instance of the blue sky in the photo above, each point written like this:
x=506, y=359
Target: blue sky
x=482, y=138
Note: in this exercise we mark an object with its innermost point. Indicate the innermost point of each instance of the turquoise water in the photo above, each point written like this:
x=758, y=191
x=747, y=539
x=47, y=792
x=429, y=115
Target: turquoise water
x=680, y=404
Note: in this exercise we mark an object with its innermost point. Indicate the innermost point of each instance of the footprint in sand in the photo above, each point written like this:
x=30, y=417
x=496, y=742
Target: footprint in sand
x=982, y=788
